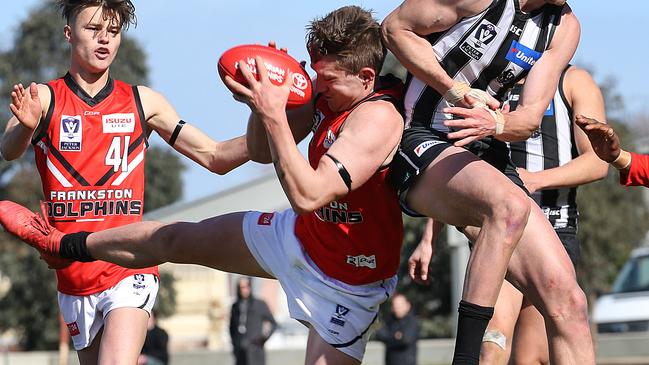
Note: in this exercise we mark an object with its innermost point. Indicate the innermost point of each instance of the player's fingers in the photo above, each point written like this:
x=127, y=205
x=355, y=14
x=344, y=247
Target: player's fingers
x=247, y=73
x=412, y=265
x=492, y=103
x=33, y=90
x=262, y=71
x=288, y=81
x=461, y=123
x=236, y=87
x=467, y=131
x=272, y=44
x=459, y=111
x=423, y=270
x=465, y=141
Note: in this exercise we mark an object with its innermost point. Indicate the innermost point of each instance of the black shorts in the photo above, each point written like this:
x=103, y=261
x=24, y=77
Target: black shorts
x=568, y=237
x=420, y=146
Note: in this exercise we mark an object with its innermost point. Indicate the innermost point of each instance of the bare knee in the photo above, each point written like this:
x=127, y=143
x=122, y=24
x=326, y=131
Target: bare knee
x=510, y=211
x=564, y=302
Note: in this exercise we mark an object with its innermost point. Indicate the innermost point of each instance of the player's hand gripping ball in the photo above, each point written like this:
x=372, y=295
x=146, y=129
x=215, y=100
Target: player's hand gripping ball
x=278, y=63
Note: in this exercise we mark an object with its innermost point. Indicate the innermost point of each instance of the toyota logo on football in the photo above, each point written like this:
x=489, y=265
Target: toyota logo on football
x=299, y=81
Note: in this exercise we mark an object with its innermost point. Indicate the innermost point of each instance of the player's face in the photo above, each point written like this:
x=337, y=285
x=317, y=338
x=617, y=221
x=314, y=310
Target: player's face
x=94, y=40
x=340, y=89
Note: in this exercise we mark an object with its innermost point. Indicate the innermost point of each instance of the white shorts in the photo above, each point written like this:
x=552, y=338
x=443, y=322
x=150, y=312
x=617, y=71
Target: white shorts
x=341, y=313
x=85, y=315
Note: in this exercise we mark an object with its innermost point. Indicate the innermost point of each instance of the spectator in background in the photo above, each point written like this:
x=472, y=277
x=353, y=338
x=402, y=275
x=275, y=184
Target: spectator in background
x=154, y=351
x=247, y=319
x=400, y=334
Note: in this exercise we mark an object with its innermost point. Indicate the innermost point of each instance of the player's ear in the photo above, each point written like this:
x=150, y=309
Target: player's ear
x=67, y=32
x=367, y=76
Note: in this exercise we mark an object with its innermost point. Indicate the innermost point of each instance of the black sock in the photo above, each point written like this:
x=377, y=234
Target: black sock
x=471, y=324
x=73, y=246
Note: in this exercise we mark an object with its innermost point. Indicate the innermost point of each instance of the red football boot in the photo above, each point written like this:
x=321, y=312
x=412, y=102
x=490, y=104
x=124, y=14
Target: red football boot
x=31, y=228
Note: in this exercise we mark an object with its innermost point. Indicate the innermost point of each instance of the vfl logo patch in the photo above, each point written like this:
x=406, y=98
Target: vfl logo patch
x=139, y=282
x=330, y=138
x=339, y=316
x=265, y=219
x=73, y=328
x=477, y=44
x=522, y=55
x=71, y=133
x=362, y=261
x=424, y=146
x=118, y=123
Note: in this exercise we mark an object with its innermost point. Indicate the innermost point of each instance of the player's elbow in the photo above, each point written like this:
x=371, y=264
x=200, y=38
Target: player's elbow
x=388, y=30
x=259, y=157
x=303, y=206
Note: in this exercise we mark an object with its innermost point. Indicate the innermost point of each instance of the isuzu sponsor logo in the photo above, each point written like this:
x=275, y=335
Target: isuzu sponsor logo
x=118, y=123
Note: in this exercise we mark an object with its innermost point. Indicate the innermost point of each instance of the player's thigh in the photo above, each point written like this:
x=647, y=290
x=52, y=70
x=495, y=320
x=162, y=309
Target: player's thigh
x=319, y=352
x=540, y=263
x=460, y=189
x=123, y=335
x=216, y=242
x=530, y=345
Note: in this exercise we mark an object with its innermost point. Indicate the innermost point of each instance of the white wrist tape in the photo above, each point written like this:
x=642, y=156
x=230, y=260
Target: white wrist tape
x=620, y=163
x=457, y=92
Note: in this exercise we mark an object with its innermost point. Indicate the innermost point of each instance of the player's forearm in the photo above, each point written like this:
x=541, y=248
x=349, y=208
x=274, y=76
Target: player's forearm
x=521, y=123
x=257, y=141
x=299, y=180
x=582, y=170
x=229, y=155
x=417, y=55
x=15, y=141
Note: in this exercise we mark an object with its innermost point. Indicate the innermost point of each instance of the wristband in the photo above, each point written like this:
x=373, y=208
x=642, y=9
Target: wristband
x=617, y=163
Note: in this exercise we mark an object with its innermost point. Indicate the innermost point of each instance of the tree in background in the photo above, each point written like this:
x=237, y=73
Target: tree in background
x=40, y=53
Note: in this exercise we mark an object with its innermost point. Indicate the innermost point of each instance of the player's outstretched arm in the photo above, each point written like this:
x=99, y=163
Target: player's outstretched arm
x=27, y=106
x=585, y=97
x=218, y=157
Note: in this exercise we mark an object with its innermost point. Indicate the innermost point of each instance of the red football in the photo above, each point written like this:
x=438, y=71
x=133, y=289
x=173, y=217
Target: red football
x=278, y=63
